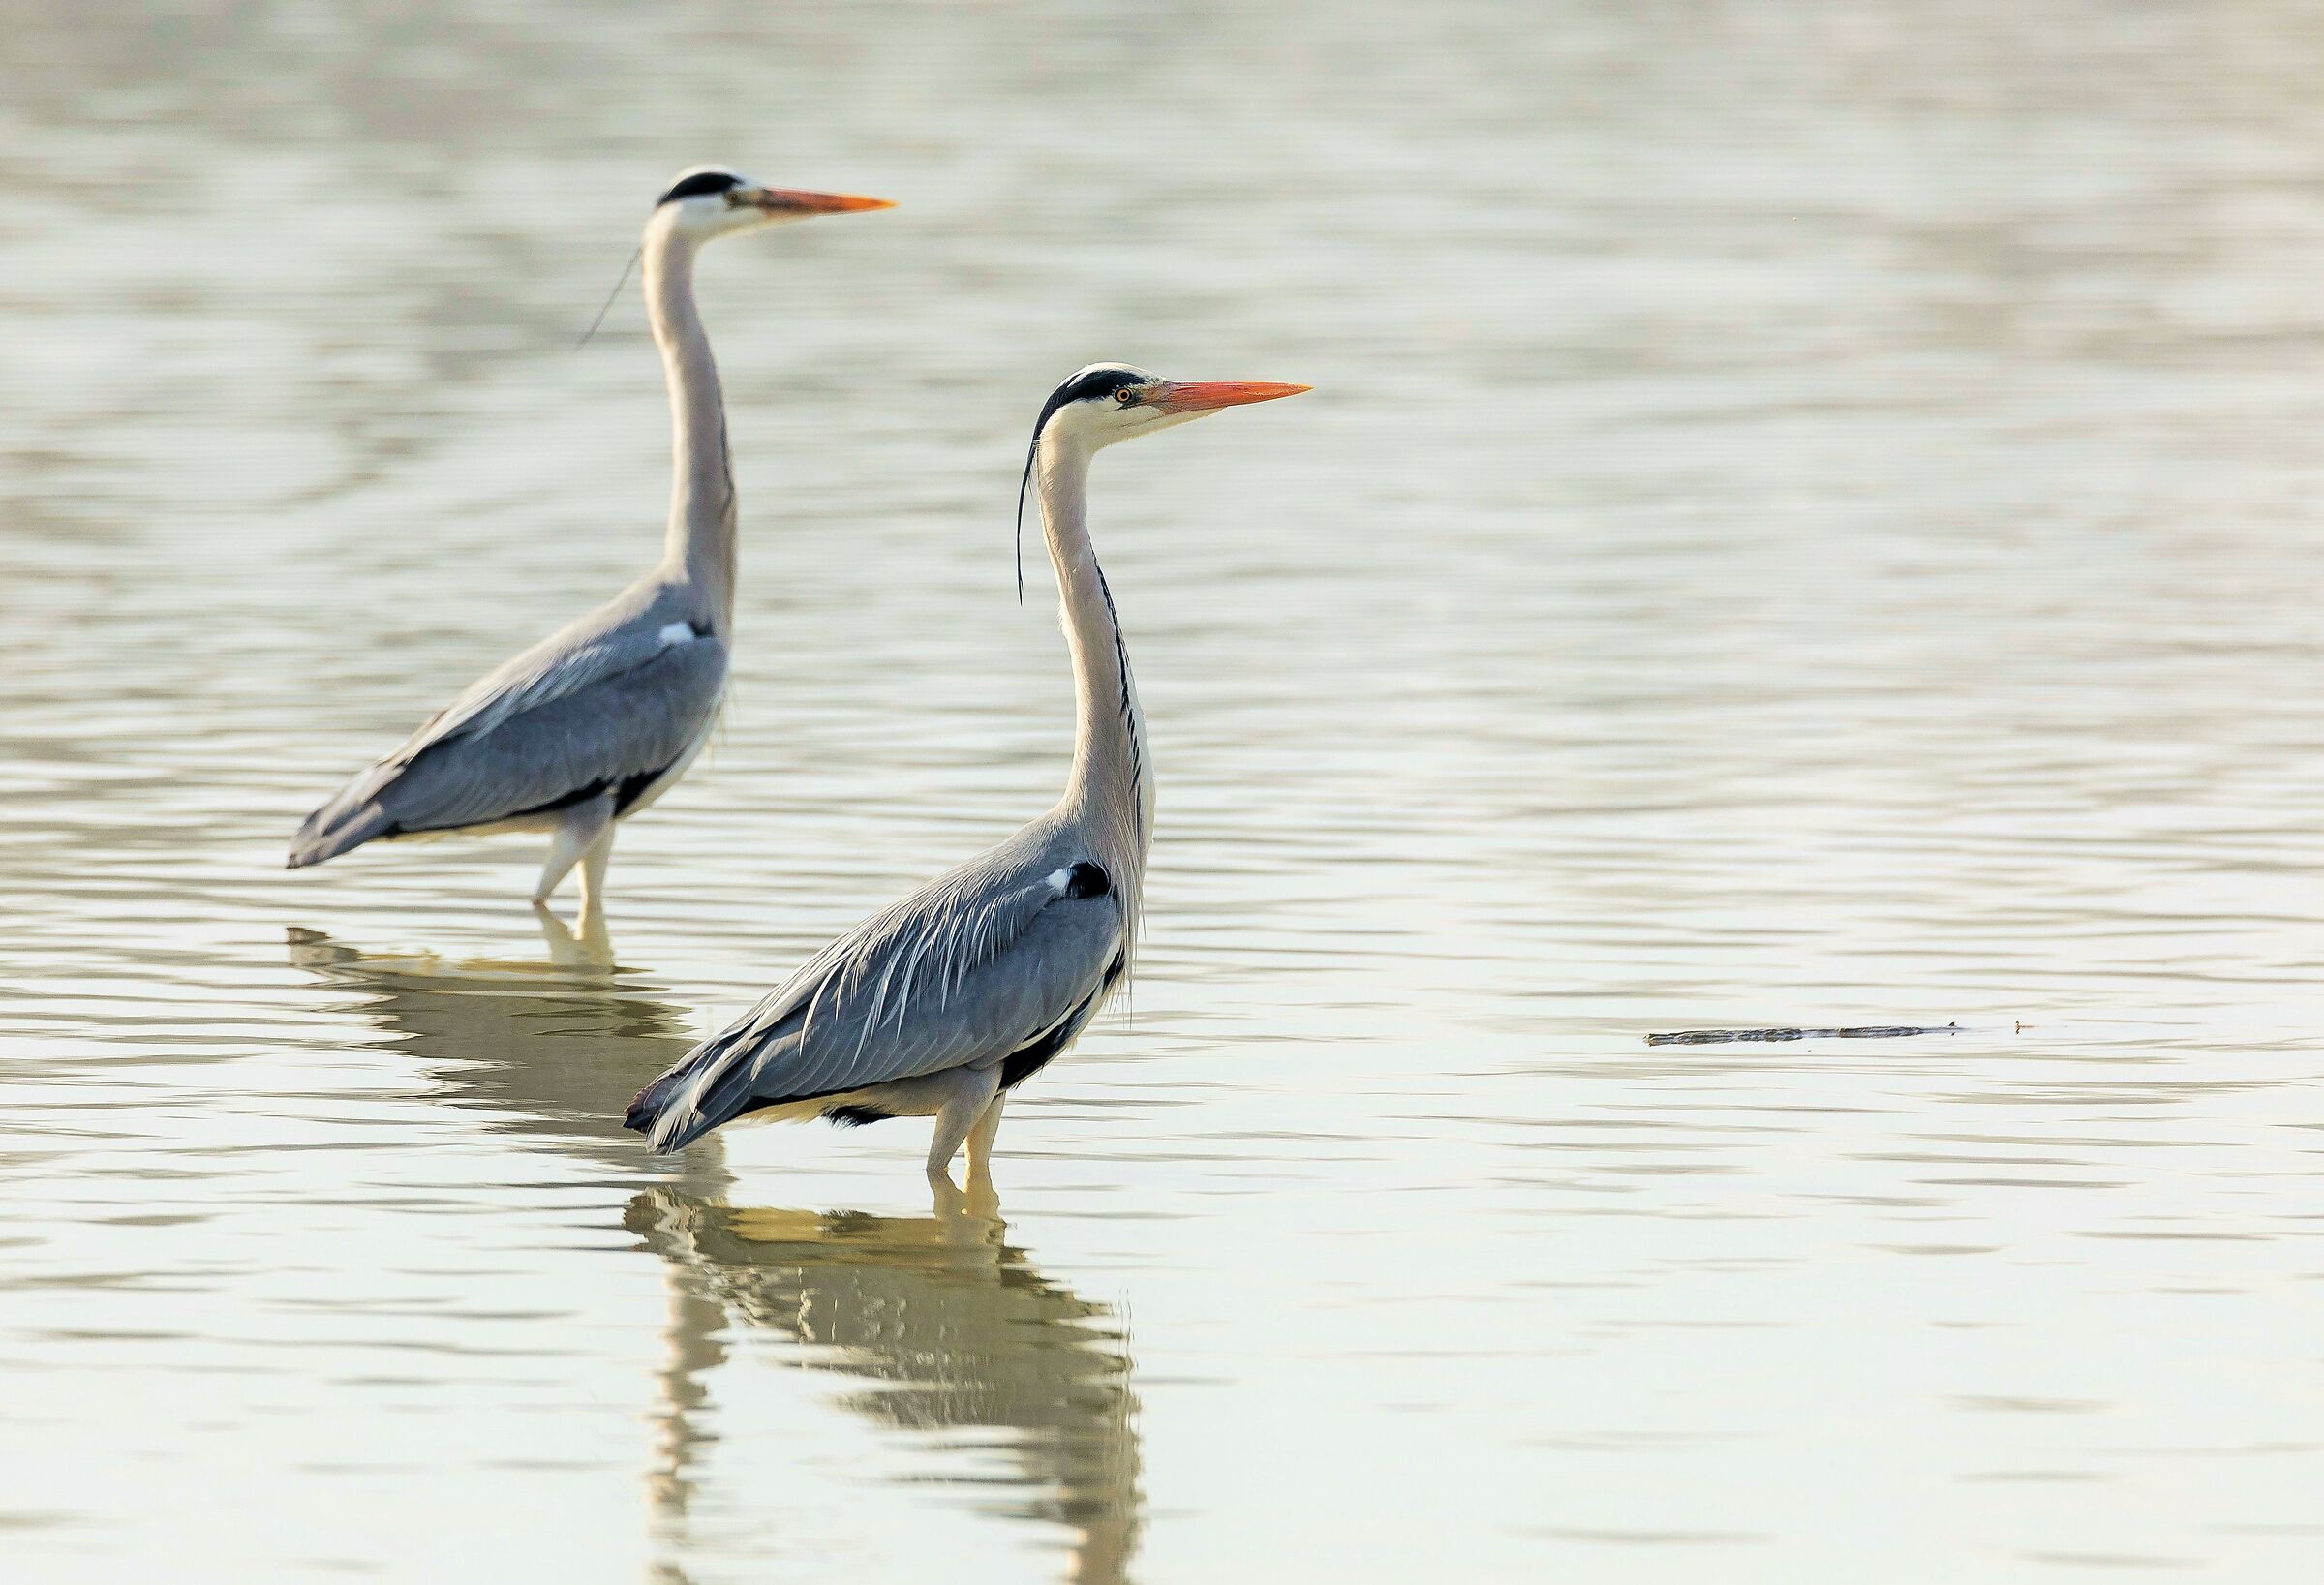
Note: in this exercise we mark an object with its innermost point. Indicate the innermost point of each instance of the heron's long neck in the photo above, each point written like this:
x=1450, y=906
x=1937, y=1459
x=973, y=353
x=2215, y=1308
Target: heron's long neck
x=1111, y=785
x=700, y=543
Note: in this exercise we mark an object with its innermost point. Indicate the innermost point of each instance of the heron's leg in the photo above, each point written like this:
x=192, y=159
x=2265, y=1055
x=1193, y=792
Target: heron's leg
x=972, y=1091
x=983, y=1199
x=980, y=1138
x=580, y=827
x=594, y=861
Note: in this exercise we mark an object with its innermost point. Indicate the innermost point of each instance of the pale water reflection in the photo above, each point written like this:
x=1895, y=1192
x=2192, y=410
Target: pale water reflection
x=954, y=1329
x=552, y=1046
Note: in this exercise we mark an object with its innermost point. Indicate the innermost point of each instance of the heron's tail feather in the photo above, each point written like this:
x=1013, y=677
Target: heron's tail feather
x=712, y=1084
x=649, y=1106
x=336, y=827
x=354, y=815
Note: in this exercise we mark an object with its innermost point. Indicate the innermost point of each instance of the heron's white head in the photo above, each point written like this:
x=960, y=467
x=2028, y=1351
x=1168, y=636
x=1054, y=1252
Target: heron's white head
x=1108, y=402
x=711, y=201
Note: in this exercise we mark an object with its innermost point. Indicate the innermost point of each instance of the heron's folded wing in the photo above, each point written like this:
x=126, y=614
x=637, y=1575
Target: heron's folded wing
x=615, y=733
x=957, y=974
x=544, y=730
x=590, y=652
x=954, y=985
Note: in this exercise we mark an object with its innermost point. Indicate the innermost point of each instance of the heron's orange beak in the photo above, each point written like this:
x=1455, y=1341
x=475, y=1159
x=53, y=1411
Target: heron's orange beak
x=1208, y=395
x=783, y=201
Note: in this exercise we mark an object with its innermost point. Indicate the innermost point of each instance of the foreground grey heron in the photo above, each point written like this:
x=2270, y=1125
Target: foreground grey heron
x=949, y=999
x=598, y=720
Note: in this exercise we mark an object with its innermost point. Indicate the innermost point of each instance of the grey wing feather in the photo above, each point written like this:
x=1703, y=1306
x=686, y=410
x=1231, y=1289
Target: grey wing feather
x=960, y=974
x=591, y=708
x=625, y=725
x=565, y=663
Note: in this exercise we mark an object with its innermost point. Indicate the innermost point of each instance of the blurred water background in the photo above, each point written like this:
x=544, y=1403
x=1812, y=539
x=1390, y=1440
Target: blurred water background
x=1810, y=514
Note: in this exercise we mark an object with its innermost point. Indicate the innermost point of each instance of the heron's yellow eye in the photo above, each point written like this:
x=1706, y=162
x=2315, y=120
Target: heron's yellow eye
x=1125, y=396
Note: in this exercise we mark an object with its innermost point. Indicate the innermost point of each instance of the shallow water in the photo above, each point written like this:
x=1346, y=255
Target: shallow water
x=1809, y=518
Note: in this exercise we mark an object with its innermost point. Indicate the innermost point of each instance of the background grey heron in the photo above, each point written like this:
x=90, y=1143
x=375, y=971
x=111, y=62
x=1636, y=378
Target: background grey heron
x=598, y=720
x=944, y=1002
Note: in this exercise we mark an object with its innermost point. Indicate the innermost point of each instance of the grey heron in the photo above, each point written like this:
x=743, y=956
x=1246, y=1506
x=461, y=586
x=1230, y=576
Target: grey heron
x=947, y=1000
x=598, y=720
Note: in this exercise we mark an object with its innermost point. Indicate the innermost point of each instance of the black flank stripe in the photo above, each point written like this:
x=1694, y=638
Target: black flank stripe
x=1129, y=724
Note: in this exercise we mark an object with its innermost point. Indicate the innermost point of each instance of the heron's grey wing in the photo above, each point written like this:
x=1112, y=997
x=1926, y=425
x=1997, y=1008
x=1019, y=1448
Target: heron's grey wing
x=953, y=987
x=960, y=974
x=605, y=644
x=618, y=733
x=611, y=714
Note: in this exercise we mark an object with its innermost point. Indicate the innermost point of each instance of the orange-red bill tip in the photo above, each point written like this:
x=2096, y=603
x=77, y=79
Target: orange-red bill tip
x=1207, y=395
x=818, y=203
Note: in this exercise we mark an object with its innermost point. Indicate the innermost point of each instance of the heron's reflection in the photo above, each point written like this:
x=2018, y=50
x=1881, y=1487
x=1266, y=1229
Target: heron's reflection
x=553, y=1050
x=950, y=1326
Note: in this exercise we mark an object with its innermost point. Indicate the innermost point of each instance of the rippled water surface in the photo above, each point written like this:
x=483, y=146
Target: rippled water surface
x=1811, y=515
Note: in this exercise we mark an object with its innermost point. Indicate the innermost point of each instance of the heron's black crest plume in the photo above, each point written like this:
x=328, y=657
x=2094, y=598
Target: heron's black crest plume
x=1023, y=484
x=607, y=307
x=700, y=185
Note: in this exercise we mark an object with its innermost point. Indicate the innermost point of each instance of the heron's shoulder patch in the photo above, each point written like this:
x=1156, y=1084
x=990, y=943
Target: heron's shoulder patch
x=1081, y=879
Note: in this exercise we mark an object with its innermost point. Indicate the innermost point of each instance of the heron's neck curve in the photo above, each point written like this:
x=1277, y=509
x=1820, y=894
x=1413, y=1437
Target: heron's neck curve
x=1110, y=789
x=699, y=548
